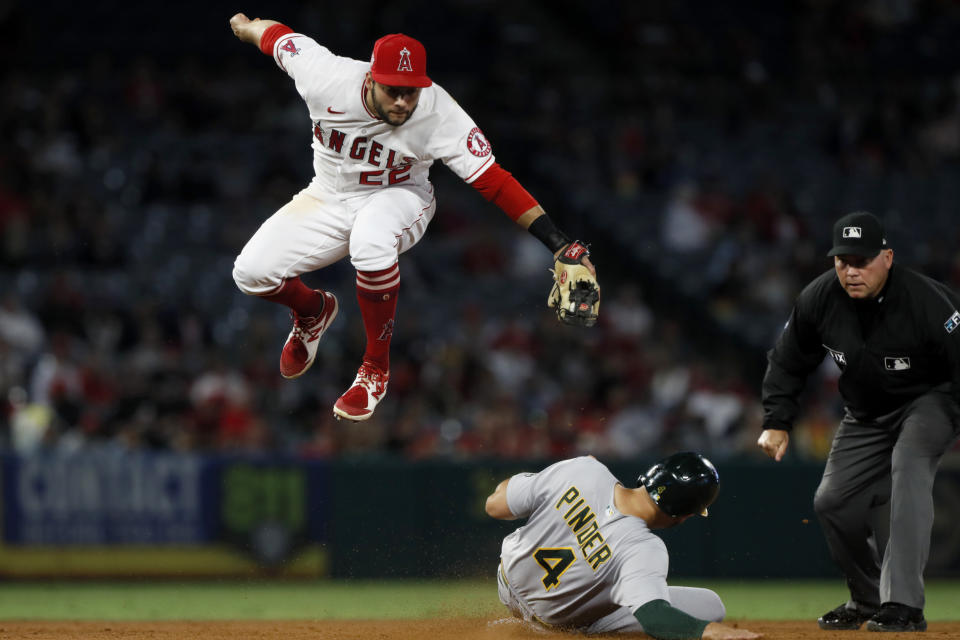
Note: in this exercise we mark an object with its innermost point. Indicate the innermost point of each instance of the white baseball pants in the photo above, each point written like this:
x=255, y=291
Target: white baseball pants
x=316, y=229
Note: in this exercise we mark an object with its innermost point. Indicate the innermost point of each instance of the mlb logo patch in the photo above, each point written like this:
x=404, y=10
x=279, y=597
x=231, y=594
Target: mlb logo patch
x=896, y=364
x=852, y=232
x=952, y=322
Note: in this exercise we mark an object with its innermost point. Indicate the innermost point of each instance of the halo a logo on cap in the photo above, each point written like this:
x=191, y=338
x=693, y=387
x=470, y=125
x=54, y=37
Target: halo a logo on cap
x=405, y=64
x=852, y=232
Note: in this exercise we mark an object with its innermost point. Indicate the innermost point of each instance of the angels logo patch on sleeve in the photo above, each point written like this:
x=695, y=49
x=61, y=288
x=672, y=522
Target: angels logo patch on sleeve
x=478, y=144
x=289, y=47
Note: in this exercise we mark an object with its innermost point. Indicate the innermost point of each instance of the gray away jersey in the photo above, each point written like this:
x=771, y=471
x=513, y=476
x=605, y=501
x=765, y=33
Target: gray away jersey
x=577, y=558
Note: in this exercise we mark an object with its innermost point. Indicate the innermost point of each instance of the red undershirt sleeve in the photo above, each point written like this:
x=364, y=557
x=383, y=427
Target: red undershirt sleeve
x=498, y=186
x=271, y=35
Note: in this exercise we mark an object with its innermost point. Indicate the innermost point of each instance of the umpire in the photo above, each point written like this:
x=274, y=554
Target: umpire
x=895, y=335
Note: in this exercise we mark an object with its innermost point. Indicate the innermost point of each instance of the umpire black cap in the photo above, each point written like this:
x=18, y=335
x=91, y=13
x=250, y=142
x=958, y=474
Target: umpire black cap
x=682, y=484
x=858, y=234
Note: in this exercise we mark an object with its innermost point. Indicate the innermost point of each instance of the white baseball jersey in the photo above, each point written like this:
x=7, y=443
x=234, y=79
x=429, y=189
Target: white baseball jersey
x=354, y=153
x=578, y=559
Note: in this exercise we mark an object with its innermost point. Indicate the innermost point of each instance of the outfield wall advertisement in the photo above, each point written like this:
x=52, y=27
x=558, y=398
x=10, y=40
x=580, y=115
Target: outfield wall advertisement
x=111, y=512
x=105, y=498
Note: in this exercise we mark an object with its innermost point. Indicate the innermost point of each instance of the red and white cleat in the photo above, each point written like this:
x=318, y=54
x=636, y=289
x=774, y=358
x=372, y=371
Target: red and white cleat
x=360, y=400
x=300, y=349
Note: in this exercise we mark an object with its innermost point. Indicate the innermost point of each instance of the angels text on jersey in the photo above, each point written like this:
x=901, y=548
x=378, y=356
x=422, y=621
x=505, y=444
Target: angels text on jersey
x=396, y=167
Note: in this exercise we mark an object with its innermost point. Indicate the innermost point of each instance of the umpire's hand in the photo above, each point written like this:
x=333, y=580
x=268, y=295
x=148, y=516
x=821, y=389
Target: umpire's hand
x=774, y=443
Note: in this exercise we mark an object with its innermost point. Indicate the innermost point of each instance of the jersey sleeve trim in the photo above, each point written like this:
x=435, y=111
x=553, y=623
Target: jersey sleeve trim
x=476, y=174
x=270, y=37
x=497, y=185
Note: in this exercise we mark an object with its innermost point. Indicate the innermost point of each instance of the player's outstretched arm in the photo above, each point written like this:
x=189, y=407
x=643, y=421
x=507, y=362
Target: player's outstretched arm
x=498, y=186
x=248, y=30
x=663, y=621
x=575, y=294
x=720, y=631
x=497, y=503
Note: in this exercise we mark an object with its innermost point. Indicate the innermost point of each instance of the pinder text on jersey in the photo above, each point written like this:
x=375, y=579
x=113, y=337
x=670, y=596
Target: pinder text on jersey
x=583, y=524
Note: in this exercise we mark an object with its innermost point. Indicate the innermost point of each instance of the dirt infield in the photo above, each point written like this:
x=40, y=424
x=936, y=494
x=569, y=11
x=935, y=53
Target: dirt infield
x=455, y=628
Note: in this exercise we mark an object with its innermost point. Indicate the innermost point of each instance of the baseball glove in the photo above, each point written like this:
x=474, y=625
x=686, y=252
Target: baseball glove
x=576, y=293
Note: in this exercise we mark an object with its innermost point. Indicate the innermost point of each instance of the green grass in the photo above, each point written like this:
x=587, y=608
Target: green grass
x=807, y=599
x=380, y=599
x=247, y=600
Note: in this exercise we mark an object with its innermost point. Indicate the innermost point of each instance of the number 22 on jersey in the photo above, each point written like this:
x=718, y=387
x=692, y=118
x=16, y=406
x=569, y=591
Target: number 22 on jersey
x=554, y=561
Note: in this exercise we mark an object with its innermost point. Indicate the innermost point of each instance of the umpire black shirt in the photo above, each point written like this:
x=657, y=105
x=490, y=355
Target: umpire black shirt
x=890, y=349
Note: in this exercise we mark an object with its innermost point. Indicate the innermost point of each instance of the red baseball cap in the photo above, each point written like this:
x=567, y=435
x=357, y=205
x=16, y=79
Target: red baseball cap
x=399, y=61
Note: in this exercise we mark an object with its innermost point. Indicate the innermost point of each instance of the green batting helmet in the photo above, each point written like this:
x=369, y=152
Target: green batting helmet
x=682, y=484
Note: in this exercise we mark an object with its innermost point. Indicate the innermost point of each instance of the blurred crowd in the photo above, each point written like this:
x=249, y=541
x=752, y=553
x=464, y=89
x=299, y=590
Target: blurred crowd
x=702, y=151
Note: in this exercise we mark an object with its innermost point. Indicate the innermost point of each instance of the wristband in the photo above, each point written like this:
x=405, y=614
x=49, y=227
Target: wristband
x=546, y=232
x=270, y=36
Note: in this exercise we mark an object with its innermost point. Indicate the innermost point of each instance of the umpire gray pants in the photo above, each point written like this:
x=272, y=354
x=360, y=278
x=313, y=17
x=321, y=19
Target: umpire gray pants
x=875, y=501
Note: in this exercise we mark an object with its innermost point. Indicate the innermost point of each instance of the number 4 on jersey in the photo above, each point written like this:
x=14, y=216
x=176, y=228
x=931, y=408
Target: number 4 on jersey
x=554, y=562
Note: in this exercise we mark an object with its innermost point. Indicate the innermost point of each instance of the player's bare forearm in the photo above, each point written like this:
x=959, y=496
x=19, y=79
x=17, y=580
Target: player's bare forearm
x=248, y=30
x=528, y=216
x=497, y=503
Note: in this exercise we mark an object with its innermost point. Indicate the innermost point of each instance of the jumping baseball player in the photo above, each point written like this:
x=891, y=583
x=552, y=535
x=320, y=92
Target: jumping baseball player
x=587, y=561
x=376, y=129
x=894, y=335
